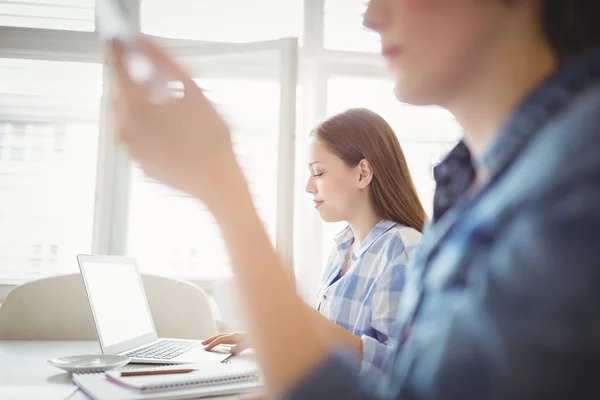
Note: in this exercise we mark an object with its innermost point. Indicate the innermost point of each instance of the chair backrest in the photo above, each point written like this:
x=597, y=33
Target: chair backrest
x=57, y=308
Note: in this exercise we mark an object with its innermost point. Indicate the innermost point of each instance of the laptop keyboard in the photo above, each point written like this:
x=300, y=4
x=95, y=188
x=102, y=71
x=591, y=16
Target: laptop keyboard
x=164, y=350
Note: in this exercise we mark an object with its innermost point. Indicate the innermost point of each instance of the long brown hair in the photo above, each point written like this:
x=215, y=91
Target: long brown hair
x=358, y=134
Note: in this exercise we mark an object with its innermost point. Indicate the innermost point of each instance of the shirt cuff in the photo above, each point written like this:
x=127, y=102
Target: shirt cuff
x=375, y=356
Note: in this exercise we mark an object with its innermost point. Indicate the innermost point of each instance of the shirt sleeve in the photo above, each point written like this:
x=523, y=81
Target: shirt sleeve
x=336, y=378
x=380, y=349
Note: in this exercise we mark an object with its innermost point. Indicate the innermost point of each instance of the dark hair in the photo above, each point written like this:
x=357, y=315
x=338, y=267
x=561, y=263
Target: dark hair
x=358, y=134
x=571, y=26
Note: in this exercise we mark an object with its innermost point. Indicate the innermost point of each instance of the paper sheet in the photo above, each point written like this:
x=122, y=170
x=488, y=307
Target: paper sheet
x=44, y=392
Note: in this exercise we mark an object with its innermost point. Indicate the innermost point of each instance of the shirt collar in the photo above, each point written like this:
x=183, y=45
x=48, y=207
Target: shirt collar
x=345, y=238
x=452, y=177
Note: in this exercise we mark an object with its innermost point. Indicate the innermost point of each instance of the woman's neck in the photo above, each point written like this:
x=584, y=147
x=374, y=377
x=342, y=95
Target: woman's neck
x=363, y=223
x=512, y=69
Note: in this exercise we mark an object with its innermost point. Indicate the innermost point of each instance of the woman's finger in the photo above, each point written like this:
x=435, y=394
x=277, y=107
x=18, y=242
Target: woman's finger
x=222, y=340
x=214, y=343
x=165, y=62
x=117, y=63
x=225, y=339
x=211, y=339
x=238, y=348
x=122, y=113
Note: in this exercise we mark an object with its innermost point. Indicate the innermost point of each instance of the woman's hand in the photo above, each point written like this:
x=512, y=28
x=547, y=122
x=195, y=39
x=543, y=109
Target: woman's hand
x=238, y=340
x=181, y=141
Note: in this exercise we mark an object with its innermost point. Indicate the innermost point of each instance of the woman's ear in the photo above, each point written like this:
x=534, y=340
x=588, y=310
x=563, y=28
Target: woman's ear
x=366, y=173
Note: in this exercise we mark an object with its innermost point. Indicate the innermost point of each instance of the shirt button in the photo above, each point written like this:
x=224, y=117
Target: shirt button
x=324, y=297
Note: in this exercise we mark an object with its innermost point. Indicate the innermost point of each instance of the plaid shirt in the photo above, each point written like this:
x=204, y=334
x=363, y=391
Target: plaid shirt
x=365, y=300
x=503, y=301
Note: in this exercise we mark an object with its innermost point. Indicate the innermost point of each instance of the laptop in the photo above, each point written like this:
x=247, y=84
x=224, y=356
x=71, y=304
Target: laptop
x=123, y=320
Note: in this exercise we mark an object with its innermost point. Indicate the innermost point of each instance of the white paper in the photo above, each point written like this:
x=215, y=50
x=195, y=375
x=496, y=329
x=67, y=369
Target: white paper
x=45, y=392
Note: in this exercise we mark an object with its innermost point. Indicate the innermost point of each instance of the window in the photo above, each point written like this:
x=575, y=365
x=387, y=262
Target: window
x=223, y=20
x=59, y=141
x=411, y=123
x=17, y=154
x=184, y=237
x=41, y=101
x=38, y=154
x=344, y=29
x=73, y=15
x=50, y=144
x=37, y=249
x=4, y=130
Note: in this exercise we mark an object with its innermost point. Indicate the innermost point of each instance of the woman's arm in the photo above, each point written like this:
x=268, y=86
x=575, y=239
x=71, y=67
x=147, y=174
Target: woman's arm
x=334, y=333
x=273, y=310
x=374, y=353
x=186, y=144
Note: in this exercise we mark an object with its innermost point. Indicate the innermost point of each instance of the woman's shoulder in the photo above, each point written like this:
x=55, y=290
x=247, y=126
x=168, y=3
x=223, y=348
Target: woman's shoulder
x=394, y=247
x=407, y=236
x=394, y=243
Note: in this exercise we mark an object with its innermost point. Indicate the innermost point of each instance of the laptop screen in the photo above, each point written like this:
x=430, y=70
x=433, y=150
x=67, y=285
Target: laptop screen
x=117, y=300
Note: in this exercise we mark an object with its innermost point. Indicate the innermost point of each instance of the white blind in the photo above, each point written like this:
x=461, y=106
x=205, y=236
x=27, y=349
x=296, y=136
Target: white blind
x=73, y=15
x=171, y=233
x=344, y=29
x=426, y=134
x=48, y=153
x=223, y=20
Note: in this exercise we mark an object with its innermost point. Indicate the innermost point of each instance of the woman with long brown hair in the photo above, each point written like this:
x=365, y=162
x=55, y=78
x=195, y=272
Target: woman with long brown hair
x=358, y=174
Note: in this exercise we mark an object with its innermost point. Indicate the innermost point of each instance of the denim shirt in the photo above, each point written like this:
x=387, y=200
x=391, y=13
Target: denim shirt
x=503, y=299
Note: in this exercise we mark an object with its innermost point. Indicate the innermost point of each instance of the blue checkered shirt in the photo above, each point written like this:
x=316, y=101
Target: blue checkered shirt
x=365, y=300
x=503, y=299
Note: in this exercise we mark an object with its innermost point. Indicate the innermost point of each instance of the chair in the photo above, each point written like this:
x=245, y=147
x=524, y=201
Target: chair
x=57, y=308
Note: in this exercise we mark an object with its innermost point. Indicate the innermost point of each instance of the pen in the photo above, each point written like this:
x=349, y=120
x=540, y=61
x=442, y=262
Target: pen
x=226, y=359
x=155, y=372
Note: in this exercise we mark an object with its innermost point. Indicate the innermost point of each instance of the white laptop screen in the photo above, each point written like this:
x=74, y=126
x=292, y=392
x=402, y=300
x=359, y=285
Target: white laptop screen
x=117, y=301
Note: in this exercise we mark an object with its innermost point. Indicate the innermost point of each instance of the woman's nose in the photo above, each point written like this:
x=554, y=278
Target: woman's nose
x=310, y=186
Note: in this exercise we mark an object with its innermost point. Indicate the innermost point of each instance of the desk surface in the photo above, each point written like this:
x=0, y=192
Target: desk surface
x=25, y=373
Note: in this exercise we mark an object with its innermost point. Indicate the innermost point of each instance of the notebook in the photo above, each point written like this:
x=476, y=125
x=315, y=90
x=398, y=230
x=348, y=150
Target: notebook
x=215, y=375
x=225, y=379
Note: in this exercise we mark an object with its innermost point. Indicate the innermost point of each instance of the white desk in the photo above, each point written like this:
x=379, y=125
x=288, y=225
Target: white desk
x=25, y=373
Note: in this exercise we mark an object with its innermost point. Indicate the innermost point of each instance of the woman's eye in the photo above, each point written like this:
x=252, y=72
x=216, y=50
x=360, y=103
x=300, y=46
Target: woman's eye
x=318, y=175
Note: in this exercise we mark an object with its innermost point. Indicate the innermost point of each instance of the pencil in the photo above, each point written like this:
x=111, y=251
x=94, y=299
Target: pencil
x=157, y=372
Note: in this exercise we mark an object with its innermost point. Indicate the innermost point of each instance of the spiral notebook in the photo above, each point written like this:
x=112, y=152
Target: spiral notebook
x=217, y=374
x=218, y=380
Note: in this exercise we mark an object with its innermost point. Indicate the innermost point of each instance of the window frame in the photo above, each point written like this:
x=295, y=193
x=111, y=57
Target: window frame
x=314, y=64
x=284, y=237
x=114, y=166
x=45, y=45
